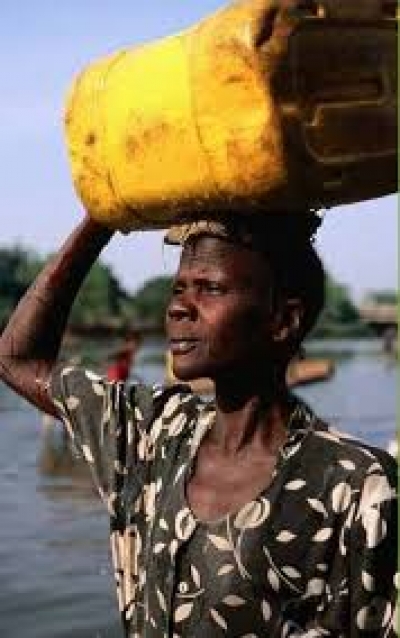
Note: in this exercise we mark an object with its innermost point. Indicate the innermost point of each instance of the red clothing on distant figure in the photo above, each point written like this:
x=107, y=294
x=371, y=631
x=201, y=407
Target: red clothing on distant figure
x=119, y=371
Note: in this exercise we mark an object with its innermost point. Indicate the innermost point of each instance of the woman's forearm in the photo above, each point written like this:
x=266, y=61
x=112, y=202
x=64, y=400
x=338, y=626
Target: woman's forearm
x=31, y=341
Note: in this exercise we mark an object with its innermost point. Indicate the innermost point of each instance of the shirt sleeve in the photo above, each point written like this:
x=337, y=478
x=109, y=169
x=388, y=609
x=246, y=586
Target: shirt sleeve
x=373, y=558
x=106, y=422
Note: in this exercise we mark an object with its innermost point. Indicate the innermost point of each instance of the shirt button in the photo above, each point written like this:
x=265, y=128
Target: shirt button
x=183, y=588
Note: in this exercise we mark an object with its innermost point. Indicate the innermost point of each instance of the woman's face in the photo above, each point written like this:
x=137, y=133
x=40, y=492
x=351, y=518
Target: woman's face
x=219, y=318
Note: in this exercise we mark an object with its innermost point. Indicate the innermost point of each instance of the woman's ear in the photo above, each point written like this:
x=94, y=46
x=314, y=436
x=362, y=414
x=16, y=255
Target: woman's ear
x=288, y=319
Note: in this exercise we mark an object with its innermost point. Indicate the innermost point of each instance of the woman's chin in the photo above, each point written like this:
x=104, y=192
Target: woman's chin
x=187, y=372
x=185, y=375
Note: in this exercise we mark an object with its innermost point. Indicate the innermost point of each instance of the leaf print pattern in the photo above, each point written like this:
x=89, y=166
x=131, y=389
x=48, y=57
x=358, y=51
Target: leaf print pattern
x=87, y=453
x=273, y=579
x=347, y=465
x=163, y=524
x=158, y=548
x=332, y=501
x=233, y=601
x=376, y=490
x=291, y=572
x=182, y=612
x=225, y=569
x=72, y=403
x=266, y=610
x=315, y=587
x=177, y=426
x=318, y=506
x=322, y=535
x=161, y=599
x=184, y=524
x=149, y=494
x=179, y=473
x=341, y=497
x=367, y=581
x=220, y=543
x=285, y=536
x=253, y=514
x=218, y=619
x=375, y=528
x=375, y=616
x=173, y=548
x=295, y=485
x=195, y=575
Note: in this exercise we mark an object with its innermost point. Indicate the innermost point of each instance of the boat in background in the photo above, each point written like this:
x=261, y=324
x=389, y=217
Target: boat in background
x=304, y=371
x=301, y=371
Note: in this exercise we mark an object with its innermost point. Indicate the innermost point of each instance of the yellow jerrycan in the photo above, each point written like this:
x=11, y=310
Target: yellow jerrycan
x=264, y=105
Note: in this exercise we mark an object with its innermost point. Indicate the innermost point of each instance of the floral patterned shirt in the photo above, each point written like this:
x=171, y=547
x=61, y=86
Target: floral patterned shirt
x=314, y=555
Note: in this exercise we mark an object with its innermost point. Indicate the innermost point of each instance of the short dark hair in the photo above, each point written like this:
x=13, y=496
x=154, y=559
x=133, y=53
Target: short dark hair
x=297, y=273
x=287, y=242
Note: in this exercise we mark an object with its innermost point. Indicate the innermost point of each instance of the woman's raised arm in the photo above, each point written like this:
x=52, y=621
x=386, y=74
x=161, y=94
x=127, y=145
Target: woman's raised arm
x=31, y=341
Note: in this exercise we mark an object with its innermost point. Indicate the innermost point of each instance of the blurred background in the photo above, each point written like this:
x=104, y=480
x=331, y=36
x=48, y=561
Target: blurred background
x=55, y=577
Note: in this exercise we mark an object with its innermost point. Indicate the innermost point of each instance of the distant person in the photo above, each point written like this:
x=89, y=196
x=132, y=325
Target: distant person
x=246, y=516
x=390, y=341
x=122, y=360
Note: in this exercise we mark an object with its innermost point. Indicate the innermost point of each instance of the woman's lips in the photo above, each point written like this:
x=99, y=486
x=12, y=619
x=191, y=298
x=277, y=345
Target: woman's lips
x=182, y=346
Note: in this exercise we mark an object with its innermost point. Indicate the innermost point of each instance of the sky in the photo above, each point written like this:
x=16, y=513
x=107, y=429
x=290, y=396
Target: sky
x=43, y=45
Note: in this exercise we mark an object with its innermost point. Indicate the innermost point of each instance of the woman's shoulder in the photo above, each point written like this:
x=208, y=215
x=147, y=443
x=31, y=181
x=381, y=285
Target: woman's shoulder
x=349, y=452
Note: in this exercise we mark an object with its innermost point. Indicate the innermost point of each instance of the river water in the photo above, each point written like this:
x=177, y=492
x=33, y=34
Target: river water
x=55, y=576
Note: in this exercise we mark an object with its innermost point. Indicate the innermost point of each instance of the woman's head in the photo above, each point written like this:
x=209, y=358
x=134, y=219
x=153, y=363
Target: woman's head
x=246, y=293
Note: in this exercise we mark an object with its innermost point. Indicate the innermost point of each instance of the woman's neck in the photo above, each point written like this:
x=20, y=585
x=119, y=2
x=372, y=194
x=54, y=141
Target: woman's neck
x=250, y=412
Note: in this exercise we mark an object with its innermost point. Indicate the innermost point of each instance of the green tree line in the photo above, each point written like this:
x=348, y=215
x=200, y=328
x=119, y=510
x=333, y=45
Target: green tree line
x=102, y=299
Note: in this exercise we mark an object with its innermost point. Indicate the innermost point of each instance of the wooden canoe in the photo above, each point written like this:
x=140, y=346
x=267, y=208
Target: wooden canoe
x=299, y=372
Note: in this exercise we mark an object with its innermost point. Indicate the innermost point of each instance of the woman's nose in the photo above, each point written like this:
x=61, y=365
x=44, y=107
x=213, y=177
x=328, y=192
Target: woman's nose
x=182, y=307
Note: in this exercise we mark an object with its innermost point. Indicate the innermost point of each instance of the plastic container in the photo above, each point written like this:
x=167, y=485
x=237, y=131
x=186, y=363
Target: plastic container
x=253, y=109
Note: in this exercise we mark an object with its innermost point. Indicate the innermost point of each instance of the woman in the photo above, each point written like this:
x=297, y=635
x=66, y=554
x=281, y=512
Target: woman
x=246, y=516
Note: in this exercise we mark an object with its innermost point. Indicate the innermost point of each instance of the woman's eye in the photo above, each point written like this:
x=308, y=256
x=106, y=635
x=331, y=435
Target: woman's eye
x=213, y=288
x=177, y=289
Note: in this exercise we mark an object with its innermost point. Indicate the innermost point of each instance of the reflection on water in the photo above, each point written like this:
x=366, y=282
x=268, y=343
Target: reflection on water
x=361, y=397
x=55, y=579
x=68, y=476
